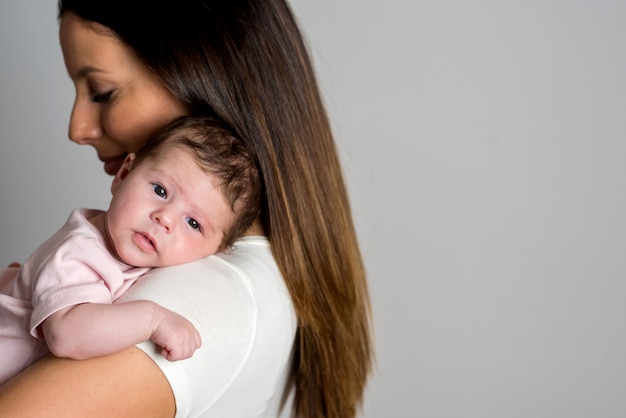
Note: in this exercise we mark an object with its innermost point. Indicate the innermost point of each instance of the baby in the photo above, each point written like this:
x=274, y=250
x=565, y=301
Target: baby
x=189, y=193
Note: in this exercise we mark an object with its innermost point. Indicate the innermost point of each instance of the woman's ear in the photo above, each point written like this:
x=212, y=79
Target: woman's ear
x=123, y=172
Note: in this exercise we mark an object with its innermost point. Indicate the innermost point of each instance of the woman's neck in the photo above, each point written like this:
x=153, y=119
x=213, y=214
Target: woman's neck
x=255, y=229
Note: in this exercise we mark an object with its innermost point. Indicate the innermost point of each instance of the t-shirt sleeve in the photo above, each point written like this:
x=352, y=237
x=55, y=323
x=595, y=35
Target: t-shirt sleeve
x=217, y=299
x=71, y=274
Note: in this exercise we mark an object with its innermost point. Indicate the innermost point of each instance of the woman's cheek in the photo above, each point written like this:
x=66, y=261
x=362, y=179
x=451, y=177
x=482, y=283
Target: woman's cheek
x=126, y=130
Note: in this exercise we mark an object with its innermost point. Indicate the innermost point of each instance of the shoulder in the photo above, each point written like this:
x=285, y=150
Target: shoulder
x=237, y=274
x=76, y=233
x=78, y=223
x=234, y=288
x=77, y=243
x=251, y=259
x=245, y=273
x=240, y=305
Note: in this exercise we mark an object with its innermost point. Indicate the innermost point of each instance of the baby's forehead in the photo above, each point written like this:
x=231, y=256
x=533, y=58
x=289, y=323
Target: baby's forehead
x=167, y=151
x=175, y=161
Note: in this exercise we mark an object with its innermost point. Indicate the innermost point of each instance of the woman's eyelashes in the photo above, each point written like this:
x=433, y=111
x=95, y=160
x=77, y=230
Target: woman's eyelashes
x=102, y=98
x=159, y=190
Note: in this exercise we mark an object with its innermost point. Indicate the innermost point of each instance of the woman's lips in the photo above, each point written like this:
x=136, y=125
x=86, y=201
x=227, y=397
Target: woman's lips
x=112, y=165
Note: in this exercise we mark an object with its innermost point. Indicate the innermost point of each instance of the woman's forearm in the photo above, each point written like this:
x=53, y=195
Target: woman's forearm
x=126, y=384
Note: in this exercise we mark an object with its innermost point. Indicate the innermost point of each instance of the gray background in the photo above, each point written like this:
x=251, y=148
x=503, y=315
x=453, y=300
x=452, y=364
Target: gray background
x=483, y=145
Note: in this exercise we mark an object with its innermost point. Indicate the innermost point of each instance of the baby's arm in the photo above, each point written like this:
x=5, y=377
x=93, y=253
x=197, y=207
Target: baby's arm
x=92, y=329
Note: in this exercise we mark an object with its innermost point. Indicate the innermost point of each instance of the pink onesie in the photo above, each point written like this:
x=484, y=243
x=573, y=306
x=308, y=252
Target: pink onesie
x=73, y=266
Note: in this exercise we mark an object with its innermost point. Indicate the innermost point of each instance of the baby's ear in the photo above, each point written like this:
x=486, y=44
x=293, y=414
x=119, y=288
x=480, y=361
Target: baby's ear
x=122, y=172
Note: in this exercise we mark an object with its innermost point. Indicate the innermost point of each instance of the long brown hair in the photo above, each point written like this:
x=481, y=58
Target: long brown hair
x=246, y=63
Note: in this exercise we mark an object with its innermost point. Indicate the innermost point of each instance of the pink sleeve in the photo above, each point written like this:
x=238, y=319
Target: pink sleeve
x=78, y=271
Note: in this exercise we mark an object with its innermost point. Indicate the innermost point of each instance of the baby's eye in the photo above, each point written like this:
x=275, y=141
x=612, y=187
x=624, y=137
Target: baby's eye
x=159, y=190
x=193, y=223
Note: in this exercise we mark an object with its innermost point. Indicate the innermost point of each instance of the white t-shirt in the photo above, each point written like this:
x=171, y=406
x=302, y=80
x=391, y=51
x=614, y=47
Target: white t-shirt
x=243, y=311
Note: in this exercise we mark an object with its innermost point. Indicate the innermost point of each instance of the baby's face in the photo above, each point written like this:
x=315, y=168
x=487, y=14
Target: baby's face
x=167, y=211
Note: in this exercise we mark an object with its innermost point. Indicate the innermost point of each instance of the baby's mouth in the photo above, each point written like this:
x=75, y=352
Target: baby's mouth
x=145, y=242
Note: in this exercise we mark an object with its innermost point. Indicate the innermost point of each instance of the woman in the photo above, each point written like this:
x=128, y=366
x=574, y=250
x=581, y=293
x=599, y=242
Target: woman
x=293, y=311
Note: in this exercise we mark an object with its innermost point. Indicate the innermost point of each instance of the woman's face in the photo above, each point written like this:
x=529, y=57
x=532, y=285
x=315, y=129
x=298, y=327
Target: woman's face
x=120, y=103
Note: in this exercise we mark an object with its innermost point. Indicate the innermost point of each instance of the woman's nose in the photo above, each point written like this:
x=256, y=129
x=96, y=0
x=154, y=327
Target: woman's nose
x=84, y=123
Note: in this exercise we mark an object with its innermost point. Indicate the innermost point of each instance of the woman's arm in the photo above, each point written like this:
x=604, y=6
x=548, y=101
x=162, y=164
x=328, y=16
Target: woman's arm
x=126, y=384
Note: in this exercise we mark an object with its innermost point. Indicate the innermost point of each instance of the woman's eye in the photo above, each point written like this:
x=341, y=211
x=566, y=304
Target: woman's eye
x=159, y=190
x=102, y=97
x=193, y=223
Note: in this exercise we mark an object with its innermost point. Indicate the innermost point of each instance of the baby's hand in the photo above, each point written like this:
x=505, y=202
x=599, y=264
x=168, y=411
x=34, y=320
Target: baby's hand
x=177, y=337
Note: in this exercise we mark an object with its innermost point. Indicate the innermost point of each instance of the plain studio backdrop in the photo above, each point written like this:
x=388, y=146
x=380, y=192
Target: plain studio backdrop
x=484, y=149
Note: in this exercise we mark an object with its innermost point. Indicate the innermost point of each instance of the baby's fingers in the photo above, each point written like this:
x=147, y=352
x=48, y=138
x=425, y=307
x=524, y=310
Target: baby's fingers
x=183, y=349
